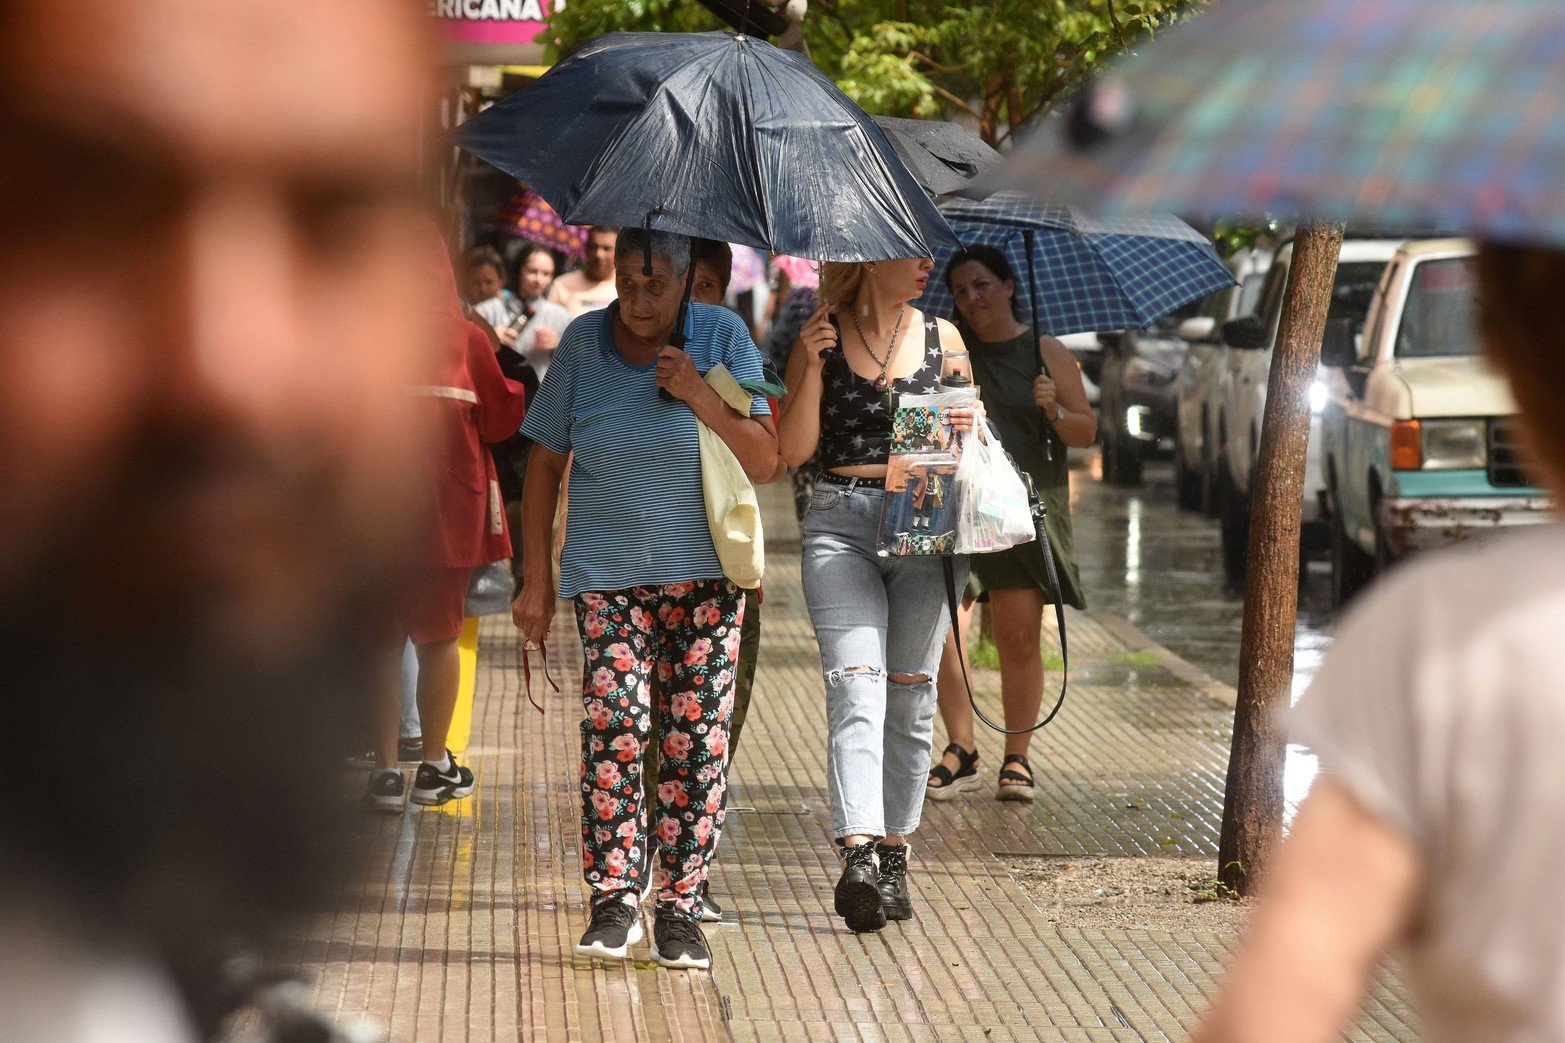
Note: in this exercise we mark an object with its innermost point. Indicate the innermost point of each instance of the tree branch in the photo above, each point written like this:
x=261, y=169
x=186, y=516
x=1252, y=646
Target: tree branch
x=1119, y=30
x=935, y=66
x=954, y=100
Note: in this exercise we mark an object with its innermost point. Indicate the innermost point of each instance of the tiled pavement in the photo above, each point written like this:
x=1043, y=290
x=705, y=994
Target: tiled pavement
x=463, y=924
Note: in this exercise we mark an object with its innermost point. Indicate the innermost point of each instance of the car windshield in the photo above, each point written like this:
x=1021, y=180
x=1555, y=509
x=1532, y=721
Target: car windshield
x=1355, y=285
x=1440, y=317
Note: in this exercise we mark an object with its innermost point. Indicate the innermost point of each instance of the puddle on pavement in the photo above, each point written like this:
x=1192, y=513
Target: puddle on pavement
x=1143, y=558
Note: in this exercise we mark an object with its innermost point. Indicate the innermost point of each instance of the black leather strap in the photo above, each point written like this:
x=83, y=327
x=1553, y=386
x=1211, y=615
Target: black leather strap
x=1039, y=512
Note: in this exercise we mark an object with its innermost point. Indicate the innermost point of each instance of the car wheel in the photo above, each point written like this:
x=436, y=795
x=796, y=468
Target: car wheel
x=1351, y=568
x=1187, y=483
x=1233, y=514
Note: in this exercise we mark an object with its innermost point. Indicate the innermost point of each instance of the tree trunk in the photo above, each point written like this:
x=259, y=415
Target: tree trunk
x=1253, y=802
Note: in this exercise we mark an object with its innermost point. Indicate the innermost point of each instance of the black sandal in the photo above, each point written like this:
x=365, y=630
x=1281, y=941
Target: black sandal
x=1021, y=787
x=950, y=785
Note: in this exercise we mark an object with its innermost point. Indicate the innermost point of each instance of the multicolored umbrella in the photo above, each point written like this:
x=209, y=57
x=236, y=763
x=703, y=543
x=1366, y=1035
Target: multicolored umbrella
x=1398, y=114
x=748, y=270
x=528, y=216
x=802, y=274
x=1077, y=274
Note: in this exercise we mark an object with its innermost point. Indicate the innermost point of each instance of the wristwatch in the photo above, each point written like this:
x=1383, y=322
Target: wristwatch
x=1059, y=412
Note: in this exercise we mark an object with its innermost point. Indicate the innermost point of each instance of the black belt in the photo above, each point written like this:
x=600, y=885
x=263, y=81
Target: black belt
x=852, y=483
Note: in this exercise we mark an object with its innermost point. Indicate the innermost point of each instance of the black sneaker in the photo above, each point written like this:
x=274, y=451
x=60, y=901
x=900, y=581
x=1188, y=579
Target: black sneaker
x=364, y=758
x=894, y=897
x=410, y=750
x=431, y=786
x=711, y=912
x=858, y=896
x=615, y=927
x=678, y=944
x=385, y=792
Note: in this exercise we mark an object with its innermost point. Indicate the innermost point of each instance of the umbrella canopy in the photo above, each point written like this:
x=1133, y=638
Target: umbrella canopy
x=945, y=158
x=1405, y=114
x=528, y=216
x=714, y=135
x=1077, y=274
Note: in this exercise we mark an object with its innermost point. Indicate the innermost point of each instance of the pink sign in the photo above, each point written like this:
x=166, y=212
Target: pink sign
x=492, y=21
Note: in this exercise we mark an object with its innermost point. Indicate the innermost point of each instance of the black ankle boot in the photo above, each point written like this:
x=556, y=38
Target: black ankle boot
x=894, y=898
x=858, y=896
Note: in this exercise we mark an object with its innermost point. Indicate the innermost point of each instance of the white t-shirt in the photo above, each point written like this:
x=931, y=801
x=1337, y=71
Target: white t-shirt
x=579, y=294
x=546, y=315
x=1441, y=706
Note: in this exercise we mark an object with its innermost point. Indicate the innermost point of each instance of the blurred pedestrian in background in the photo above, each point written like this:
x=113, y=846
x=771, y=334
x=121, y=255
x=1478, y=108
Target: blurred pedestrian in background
x=1437, y=827
x=591, y=286
x=1035, y=401
x=470, y=403
x=483, y=287
x=794, y=299
x=184, y=680
x=880, y=621
x=544, y=321
x=659, y=622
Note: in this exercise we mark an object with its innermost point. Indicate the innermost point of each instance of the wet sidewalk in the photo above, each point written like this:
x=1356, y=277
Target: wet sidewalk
x=463, y=925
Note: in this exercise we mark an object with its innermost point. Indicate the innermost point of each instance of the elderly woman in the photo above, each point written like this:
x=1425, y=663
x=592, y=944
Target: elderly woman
x=659, y=623
x=880, y=621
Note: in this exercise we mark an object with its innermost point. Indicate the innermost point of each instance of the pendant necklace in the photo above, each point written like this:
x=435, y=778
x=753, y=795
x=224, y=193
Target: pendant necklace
x=881, y=382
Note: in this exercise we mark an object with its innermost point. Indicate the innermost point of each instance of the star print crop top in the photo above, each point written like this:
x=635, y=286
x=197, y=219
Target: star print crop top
x=855, y=417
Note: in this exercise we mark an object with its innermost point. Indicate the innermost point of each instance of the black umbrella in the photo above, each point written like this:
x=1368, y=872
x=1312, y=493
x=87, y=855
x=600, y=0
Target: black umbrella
x=715, y=135
x=944, y=157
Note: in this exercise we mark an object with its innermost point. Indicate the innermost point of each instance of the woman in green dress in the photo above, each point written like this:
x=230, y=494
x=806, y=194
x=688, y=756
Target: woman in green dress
x=1032, y=390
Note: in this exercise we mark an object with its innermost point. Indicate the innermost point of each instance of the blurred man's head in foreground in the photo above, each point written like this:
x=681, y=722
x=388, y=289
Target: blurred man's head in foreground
x=1524, y=334
x=209, y=287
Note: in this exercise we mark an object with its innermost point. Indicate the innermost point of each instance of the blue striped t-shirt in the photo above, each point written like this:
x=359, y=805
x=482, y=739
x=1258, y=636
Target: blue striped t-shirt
x=636, y=513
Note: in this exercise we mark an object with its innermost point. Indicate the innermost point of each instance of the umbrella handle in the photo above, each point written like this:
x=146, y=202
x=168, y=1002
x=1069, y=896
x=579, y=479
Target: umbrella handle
x=1032, y=306
x=678, y=339
x=646, y=240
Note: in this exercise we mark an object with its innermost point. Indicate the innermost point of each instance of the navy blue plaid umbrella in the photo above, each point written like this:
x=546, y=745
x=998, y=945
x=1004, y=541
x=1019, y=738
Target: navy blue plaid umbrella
x=1079, y=274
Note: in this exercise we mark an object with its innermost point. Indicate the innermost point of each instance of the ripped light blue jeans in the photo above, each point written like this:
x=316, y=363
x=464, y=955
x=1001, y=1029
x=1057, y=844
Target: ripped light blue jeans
x=875, y=618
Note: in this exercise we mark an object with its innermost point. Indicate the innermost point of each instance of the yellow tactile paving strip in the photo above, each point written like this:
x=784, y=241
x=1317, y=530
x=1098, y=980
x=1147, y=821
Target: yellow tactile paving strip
x=461, y=926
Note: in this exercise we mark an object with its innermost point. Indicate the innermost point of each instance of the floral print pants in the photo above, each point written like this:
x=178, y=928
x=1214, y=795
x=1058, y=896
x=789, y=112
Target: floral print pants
x=669, y=650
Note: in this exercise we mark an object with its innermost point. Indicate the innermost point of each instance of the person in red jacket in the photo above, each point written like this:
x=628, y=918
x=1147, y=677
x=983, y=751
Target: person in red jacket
x=468, y=403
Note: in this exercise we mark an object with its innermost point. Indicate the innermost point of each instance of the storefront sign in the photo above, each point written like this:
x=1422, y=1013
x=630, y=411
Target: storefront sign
x=513, y=22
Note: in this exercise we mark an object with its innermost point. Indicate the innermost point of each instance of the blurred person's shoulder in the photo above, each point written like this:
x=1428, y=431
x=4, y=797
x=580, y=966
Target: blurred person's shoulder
x=1483, y=588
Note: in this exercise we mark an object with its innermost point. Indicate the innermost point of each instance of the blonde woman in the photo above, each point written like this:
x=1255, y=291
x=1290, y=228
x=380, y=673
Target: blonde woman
x=880, y=621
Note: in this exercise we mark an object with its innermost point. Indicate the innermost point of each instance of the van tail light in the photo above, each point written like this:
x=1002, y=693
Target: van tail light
x=1407, y=445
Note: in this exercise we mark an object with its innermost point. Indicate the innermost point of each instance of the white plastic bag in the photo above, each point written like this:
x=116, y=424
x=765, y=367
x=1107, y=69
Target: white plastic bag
x=993, y=513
